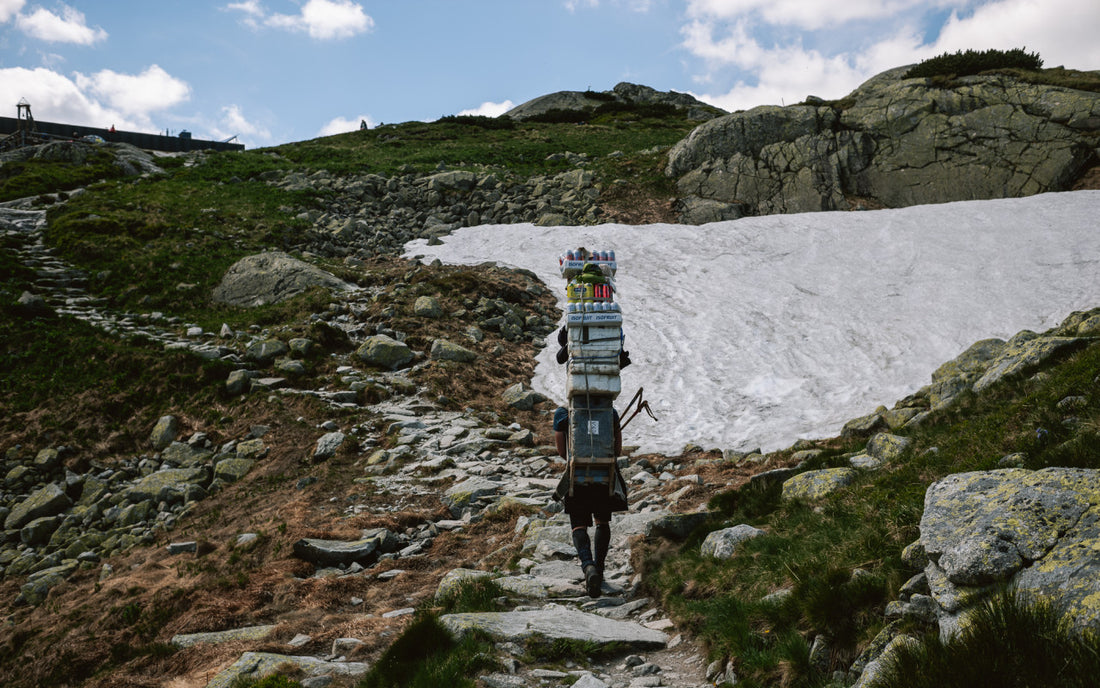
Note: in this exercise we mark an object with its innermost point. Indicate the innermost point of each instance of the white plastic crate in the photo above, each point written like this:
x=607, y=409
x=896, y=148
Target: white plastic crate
x=594, y=385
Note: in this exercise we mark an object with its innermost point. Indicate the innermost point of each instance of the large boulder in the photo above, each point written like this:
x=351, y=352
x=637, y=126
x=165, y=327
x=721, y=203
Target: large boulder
x=48, y=501
x=384, y=352
x=168, y=485
x=898, y=141
x=270, y=278
x=1038, y=531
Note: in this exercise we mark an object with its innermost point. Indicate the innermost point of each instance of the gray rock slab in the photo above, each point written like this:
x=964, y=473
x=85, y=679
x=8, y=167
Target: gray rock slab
x=566, y=570
x=327, y=445
x=249, y=633
x=460, y=496
x=556, y=622
x=364, y=551
x=256, y=665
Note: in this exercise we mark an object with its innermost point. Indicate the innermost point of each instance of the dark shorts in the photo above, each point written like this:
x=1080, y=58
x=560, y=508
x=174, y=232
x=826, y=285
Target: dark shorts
x=588, y=501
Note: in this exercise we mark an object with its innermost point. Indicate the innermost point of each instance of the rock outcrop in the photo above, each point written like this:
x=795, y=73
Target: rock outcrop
x=895, y=141
x=622, y=93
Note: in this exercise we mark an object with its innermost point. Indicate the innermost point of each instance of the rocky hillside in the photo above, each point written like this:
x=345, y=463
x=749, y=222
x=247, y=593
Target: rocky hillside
x=240, y=436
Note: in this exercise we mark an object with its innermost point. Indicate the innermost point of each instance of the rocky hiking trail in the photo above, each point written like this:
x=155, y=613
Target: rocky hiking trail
x=452, y=495
x=340, y=493
x=543, y=585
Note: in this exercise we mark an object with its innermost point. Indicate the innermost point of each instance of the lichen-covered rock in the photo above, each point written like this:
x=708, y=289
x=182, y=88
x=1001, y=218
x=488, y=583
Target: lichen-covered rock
x=384, y=352
x=428, y=307
x=1038, y=530
x=817, y=484
x=48, y=501
x=181, y=455
x=863, y=426
x=458, y=497
x=1023, y=354
x=886, y=447
x=232, y=470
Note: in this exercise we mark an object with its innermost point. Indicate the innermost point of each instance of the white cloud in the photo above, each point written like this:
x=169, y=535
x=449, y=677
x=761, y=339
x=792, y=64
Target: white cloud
x=810, y=14
x=490, y=109
x=641, y=6
x=57, y=98
x=574, y=5
x=742, y=69
x=321, y=19
x=340, y=125
x=1063, y=32
x=249, y=7
x=139, y=94
x=10, y=8
x=233, y=123
x=70, y=27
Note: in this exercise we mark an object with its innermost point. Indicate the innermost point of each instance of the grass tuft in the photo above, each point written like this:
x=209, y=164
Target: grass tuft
x=426, y=656
x=1009, y=641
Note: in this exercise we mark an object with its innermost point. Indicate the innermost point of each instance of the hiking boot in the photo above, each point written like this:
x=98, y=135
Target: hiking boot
x=593, y=581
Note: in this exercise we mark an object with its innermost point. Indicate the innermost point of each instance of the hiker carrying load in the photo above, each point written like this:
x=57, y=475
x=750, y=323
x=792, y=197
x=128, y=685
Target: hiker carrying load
x=588, y=434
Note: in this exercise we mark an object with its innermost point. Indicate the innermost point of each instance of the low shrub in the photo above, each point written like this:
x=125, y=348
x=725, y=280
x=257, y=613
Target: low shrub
x=974, y=62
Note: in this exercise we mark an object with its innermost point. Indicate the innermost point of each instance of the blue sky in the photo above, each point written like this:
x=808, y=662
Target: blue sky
x=273, y=71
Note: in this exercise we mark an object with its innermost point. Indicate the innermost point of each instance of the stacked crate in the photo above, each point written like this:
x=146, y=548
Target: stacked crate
x=594, y=327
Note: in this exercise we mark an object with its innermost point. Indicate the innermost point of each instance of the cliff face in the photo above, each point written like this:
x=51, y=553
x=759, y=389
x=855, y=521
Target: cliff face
x=893, y=142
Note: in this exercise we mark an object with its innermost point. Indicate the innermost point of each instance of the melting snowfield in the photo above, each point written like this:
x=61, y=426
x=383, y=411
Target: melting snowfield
x=755, y=332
